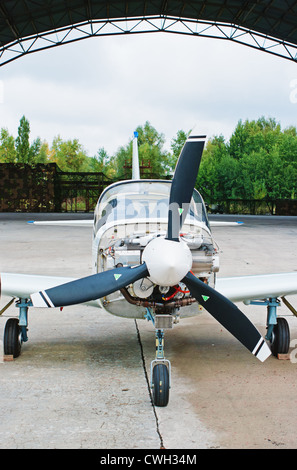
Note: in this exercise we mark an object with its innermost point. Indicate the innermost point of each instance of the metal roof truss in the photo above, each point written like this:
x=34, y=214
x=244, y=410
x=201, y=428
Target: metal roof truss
x=149, y=24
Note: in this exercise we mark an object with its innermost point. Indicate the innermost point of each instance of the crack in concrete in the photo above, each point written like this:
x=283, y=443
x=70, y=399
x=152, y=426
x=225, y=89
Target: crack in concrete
x=148, y=385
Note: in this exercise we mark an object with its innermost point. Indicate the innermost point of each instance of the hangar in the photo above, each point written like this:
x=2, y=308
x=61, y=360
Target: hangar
x=27, y=26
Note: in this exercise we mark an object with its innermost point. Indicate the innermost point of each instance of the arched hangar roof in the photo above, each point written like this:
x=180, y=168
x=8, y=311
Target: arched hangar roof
x=30, y=25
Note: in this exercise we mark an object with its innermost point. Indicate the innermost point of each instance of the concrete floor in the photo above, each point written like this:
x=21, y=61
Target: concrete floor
x=80, y=380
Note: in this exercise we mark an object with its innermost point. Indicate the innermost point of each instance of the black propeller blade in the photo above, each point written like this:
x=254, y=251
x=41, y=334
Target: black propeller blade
x=89, y=288
x=223, y=310
x=183, y=184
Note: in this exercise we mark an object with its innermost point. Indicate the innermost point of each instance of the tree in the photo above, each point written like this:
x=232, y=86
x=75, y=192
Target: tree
x=176, y=146
x=100, y=162
x=43, y=154
x=7, y=147
x=250, y=136
x=122, y=162
x=34, y=152
x=259, y=161
x=69, y=155
x=151, y=152
x=22, y=142
x=218, y=170
x=38, y=152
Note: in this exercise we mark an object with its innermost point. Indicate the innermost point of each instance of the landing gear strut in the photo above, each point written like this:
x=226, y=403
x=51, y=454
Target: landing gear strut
x=278, y=332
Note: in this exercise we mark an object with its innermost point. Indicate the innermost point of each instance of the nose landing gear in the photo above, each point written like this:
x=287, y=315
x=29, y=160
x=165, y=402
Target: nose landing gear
x=160, y=373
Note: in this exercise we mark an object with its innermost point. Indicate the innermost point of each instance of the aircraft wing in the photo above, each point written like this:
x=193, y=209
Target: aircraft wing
x=90, y=223
x=223, y=223
x=257, y=287
x=236, y=289
x=21, y=286
x=69, y=223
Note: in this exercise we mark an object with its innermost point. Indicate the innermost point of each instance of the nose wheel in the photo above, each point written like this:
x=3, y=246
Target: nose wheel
x=160, y=384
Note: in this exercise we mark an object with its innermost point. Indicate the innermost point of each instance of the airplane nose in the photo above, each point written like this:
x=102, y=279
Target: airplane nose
x=167, y=261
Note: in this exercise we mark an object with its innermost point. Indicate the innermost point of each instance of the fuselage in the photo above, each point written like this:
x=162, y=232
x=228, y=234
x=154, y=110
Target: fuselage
x=128, y=216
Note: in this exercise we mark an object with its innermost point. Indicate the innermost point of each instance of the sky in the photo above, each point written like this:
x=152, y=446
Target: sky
x=100, y=89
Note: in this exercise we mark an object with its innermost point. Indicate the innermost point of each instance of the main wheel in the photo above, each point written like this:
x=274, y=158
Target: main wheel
x=12, y=338
x=280, y=337
x=160, y=385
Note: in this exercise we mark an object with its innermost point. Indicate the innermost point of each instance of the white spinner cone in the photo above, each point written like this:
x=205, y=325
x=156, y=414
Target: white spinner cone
x=167, y=261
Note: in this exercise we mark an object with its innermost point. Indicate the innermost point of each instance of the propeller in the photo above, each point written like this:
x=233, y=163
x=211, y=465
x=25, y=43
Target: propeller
x=89, y=288
x=229, y=315
x=183, y=184
x=166, y=261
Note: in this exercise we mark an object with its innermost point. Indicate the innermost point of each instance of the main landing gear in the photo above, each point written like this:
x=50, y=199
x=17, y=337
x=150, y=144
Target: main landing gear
x=15, y=332
x=278, y=332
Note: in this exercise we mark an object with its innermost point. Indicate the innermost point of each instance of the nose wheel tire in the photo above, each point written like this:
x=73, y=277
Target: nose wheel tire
x=280, y=337
x=160, y=385
x=12, y=338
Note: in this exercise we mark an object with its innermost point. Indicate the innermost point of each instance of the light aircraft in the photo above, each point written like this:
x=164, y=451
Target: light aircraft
x=154, y=257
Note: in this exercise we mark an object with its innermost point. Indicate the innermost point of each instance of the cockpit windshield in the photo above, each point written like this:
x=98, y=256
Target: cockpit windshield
x=142, y=200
